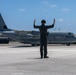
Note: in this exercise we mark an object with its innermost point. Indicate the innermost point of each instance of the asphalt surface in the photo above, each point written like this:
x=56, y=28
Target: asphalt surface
x=20, y=59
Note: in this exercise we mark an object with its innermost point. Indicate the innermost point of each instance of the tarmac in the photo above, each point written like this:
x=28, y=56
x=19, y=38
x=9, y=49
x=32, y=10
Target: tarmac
x=21, y=59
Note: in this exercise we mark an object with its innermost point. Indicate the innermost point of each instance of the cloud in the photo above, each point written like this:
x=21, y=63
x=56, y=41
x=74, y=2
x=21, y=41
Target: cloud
x=61, y=20
x=53, y=5
x=49, y=4
x=45, y=2
x=22, y=10
x=66, y=9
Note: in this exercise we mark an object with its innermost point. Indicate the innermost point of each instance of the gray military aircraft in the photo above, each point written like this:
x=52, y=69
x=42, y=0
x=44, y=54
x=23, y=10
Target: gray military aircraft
x=58, y=37
x=25, y=37
x=33, y=37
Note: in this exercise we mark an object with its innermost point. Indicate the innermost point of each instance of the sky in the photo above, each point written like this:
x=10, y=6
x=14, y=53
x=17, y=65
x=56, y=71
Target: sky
x=20, y=14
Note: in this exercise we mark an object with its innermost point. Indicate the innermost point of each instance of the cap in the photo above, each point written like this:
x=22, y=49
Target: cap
x=43, y=21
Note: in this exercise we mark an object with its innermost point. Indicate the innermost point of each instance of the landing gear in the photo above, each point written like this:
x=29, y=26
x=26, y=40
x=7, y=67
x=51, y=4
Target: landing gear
x=68, y=44
x=33, y=44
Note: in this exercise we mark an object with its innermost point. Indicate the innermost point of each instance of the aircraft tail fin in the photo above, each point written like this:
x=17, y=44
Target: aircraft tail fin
x=2, y=24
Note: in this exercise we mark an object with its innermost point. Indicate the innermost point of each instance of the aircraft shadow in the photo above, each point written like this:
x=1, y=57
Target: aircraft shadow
x=20, y=46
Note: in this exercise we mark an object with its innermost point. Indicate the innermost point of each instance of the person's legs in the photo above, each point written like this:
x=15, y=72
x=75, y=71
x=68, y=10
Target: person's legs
x=45, y=49
x=41, y=48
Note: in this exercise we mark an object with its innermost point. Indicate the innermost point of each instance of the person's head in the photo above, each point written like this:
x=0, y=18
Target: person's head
x=43, y=22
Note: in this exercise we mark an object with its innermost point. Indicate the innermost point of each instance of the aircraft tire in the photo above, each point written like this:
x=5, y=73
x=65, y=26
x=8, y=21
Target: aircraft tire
x=68, y=44
x=33, y=44
x=37, y=44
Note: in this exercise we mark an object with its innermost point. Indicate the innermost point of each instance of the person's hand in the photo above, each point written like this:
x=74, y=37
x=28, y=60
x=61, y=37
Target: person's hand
x=54, y=20
x=34, y=21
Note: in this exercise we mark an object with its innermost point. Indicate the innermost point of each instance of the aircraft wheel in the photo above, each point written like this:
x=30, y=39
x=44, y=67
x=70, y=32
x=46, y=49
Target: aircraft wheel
x=33, y=44
x=68, y=44
x=37, y=45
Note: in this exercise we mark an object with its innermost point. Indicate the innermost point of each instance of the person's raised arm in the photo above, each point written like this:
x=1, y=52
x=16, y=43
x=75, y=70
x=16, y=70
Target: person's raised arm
x=35, y=25
x=54, y=21
x=51, y=26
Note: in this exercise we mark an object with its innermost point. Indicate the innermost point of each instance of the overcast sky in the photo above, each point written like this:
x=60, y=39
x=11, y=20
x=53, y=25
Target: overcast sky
x=20, y=14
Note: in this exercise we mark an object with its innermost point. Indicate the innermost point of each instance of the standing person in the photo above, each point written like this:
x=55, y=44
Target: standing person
x=43, y=37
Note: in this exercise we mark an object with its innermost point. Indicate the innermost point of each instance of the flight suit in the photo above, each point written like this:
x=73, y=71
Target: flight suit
x=43, y=39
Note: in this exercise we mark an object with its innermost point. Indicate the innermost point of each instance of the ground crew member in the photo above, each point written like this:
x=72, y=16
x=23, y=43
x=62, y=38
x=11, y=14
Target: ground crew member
x=43, y=37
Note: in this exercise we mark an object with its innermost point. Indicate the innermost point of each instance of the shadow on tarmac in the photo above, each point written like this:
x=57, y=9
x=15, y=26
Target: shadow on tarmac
x=20, y=46
x=38, y=58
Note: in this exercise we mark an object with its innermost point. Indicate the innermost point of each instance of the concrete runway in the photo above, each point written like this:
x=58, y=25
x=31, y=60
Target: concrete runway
x=20, y=59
